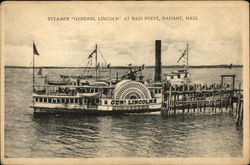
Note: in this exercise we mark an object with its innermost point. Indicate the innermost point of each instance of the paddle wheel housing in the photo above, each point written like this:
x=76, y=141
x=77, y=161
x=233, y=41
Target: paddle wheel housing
x=128, y=89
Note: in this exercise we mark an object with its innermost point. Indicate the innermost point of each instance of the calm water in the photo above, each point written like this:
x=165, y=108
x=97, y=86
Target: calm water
x=149, y=135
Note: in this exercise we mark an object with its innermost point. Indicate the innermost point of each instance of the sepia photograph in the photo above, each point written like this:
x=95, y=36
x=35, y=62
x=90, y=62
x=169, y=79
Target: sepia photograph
x=126, y=82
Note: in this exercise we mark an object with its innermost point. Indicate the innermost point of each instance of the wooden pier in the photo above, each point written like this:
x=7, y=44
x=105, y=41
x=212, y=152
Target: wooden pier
x=204, y=99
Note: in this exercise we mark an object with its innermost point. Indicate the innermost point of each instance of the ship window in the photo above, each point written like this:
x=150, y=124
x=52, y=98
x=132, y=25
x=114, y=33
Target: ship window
x=96, y=90
x=97, y=100
x=76, y=100
x=49, y=100
x=85, y=101
x=105, y=102
x=185, y=75
x=40, y=99
x=58, y=100
x=66, y=101
x=54, y=100
x=172, y=77
x=151, y=92
x=45, y=100
x=36, y=99
x=71, y=100
x=179, y=76
x=63, y=100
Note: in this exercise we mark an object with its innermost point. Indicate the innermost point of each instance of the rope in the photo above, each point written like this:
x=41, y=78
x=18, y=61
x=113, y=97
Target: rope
x=102, y=56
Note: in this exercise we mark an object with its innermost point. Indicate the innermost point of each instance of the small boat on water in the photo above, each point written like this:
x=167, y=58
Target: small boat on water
x=93, y=95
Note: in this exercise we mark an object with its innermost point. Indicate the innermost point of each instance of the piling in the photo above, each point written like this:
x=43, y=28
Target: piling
x=205, y=99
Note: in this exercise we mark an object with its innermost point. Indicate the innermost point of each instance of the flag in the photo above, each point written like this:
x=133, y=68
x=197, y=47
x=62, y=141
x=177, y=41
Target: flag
x=183, y=54
x=35, y=52
x=142, y=67
x=90, y=56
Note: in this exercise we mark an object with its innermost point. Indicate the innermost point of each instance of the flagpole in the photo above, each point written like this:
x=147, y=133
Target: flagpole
x=187, y=56
x=33, y=67
x=96, y=62
x=110, y=74
x=33, y=82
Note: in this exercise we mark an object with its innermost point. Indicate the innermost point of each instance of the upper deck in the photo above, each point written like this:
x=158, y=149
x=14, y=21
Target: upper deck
x=85, y=90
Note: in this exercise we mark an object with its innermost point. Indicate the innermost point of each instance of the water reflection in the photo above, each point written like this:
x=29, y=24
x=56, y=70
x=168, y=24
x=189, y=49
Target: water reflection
x=137, y=136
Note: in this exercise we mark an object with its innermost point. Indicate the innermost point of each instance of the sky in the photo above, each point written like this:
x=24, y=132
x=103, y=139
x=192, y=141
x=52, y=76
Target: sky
x=215, y=38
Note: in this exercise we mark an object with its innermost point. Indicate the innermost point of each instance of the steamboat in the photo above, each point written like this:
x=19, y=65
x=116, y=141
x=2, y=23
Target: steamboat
x=84, y=94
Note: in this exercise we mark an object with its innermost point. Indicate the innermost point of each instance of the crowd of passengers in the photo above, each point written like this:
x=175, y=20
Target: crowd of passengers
x=196, y=87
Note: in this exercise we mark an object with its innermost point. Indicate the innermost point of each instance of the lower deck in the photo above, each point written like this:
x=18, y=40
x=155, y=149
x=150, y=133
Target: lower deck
x=93, y=104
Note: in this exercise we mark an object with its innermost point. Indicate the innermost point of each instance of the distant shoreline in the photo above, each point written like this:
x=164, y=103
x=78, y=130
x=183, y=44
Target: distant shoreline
x=124, y=67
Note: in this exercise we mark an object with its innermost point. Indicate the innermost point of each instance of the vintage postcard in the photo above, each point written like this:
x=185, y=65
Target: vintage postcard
x=132, y=82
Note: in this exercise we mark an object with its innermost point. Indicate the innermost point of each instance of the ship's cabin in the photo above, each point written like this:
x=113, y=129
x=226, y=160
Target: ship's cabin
x=180, y=74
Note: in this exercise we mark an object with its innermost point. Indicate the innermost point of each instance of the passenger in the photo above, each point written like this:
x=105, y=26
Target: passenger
x=78, y=81
x=66, y=90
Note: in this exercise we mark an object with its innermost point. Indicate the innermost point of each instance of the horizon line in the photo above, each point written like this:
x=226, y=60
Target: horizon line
x=150, y=66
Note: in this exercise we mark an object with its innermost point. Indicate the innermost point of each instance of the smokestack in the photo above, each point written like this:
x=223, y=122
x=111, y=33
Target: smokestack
x=157, y=60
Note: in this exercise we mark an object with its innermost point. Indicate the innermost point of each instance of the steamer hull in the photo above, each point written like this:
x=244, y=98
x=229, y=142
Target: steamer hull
x=47, y=110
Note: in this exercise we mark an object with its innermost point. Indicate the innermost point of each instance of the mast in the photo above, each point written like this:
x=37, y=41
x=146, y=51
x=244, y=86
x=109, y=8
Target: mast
x=110, y=74
x=33, y=78
x=187, y=57
x=96, y=62
x=33, y=82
